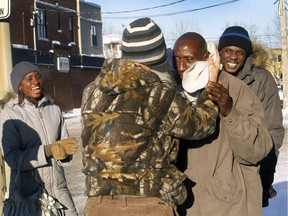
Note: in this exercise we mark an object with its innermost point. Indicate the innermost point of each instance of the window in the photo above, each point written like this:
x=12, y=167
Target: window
x=93, y=35
x=279, y=59
x=41, y=24
x=71, y=28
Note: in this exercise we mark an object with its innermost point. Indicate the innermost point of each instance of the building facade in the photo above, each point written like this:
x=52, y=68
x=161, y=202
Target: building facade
x=112, y=46
x=90, y=23
x=44, y=24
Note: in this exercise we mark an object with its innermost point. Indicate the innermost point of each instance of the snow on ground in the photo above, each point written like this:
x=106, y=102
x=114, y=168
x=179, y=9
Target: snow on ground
x=277, y=206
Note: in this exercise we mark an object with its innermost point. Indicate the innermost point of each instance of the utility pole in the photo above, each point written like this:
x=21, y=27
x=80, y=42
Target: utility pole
x=5, y=47
x=5, y=58
x=79, y=26
x=282, y=15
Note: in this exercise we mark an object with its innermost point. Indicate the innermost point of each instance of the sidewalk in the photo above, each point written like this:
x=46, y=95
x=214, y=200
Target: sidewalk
x=74, y=176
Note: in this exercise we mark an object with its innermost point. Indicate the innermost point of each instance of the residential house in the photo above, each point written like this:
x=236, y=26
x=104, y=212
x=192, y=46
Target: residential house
x=276, y=59
x=90, y=23
x=112, y=46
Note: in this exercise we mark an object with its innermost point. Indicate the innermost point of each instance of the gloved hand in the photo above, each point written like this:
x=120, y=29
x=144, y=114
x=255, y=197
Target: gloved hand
x=56, y=151
x=267, y=178
x=70, y=145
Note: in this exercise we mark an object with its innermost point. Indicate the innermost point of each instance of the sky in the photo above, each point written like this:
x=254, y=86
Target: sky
x=204, y=17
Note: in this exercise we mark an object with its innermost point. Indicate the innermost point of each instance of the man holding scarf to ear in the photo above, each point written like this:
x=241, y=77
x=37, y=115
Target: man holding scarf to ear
x=226, y=182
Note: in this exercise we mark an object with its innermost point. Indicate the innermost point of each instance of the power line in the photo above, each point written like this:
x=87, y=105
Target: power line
x=143, y=9
x=175, y=13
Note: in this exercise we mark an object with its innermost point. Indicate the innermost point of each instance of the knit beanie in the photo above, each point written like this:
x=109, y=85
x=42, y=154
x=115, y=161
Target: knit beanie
x=236, y=36
x=143, y=42
x=19, y=71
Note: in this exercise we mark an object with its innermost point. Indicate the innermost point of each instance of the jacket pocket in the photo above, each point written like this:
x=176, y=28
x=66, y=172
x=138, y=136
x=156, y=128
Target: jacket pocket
x=226, y=191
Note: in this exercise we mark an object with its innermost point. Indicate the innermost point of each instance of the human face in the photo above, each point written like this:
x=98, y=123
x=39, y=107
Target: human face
x=186, y=53
x=31, y=85
x=232, y=58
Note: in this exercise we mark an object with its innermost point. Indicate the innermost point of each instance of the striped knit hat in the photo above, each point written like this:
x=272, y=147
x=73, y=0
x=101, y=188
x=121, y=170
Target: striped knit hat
x=143, y=41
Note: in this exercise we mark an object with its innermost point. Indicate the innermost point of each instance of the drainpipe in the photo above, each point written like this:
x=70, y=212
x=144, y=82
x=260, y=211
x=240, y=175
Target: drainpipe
x=78, y=12
x=34, y=25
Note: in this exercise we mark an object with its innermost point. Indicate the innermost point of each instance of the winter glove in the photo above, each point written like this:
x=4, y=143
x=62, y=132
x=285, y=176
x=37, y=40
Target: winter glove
x=56, y=151
x=70, y=145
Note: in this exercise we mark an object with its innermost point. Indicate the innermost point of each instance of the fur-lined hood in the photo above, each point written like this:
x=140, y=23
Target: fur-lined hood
x=260, y=56
x=10, y=96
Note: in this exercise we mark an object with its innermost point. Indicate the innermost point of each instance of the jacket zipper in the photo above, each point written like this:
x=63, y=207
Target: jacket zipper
x=47, y=143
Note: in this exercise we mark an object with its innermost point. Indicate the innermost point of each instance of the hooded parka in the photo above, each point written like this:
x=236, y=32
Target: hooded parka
x=264, y=86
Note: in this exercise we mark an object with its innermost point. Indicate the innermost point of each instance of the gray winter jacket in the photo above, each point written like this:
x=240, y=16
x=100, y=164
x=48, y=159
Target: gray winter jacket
x=264, y=86
x=24, y=130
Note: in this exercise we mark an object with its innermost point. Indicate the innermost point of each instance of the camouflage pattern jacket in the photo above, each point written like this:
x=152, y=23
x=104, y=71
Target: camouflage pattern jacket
x=130, y=120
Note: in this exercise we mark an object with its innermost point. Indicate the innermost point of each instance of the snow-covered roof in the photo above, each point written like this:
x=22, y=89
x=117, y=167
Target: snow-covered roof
x=112, y=38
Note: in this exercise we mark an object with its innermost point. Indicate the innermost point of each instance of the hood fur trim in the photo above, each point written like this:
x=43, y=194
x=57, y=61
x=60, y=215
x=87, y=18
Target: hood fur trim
x=7, y=98
x=260, y=56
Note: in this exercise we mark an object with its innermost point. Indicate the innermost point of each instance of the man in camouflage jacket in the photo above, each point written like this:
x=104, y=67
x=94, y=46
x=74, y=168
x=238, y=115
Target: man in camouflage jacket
x=130, y=118
x=131, y=115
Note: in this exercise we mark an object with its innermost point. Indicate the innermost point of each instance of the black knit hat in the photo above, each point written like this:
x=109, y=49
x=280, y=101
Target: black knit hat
x=143, y=41
x=19, y=71
x=236, y=36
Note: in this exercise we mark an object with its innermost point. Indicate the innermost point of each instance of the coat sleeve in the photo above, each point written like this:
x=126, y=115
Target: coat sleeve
x=11, y=143
x=245, y=128
x=273, y=111
x=193, y=121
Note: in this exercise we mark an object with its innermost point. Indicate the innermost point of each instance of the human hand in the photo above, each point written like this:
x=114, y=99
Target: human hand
x=218, y=93
x=70, y=145
x=213, y=62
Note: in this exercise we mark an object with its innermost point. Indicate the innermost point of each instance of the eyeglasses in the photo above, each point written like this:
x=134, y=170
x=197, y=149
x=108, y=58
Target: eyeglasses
x=239, y=53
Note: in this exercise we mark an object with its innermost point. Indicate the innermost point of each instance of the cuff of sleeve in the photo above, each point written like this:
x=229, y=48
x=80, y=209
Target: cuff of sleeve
x=230, y=119
x=47, y=150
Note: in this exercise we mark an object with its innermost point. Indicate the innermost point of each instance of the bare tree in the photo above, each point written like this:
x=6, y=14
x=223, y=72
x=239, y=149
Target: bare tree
x=109, y=28
x=277, y=30
x=180, y=27
x=251, y=28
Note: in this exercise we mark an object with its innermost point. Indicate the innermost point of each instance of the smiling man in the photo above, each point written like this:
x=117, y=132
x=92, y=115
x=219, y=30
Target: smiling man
x=247, y=63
